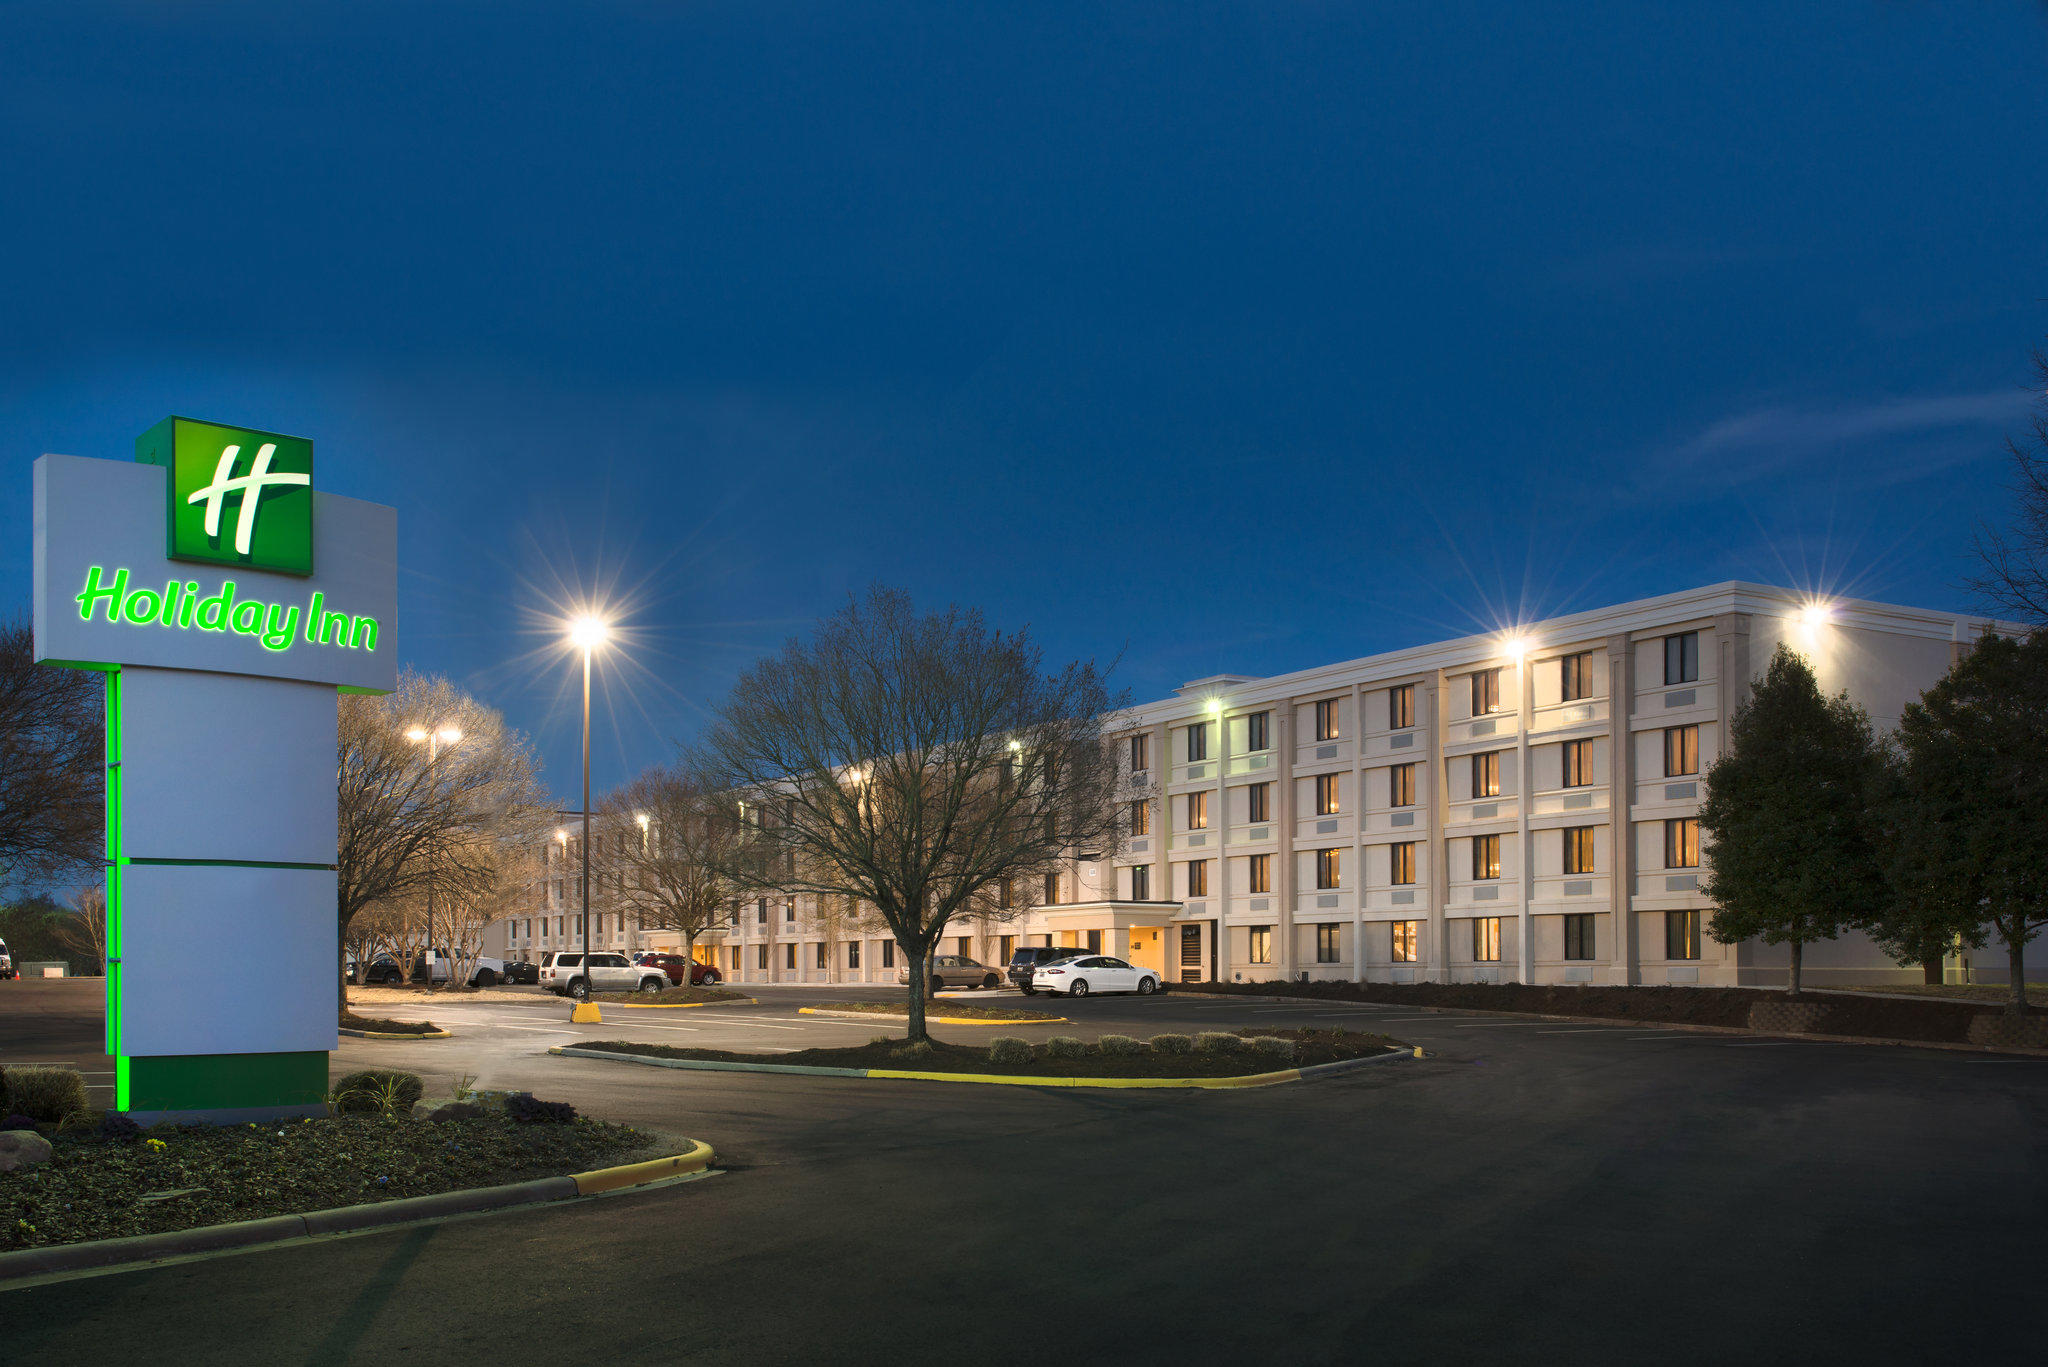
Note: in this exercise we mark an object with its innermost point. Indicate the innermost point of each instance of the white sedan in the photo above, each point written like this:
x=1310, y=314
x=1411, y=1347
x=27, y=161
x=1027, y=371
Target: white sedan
x=1095, y=973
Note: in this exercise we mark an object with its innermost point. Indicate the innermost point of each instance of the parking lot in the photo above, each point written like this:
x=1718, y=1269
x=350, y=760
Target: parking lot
x=1723, y=1193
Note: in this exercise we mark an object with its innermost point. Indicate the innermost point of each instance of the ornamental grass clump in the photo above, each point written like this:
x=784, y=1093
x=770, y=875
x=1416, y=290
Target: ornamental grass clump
x=378, y=1091
x=1121, y=1046
x=1273, y=1046
x=1172, y=1044
x=1009, y=1050
x=1064, y=1046
x=1216, y=1042
x=45, y=1095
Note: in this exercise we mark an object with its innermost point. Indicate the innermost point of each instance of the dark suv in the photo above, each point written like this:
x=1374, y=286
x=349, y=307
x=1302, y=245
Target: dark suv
x=1027, y=959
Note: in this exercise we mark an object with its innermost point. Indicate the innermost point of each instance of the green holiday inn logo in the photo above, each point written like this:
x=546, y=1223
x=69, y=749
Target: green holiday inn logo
x=237, y=496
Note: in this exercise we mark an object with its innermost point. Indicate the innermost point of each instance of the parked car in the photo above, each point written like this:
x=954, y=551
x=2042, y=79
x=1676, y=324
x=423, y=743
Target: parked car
x=1095, y=973
x=382, y=969
x=433, y=965
x=955, y=970
x=521, y=971
x=1029, y=958
x=676, y=966
x=564, y=973
x=6, y=962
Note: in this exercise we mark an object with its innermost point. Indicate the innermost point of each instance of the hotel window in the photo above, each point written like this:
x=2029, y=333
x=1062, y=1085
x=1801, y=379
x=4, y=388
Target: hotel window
x=789, y=910
x=1578, y=849
x=1577, y=681
x=853, y=954
x=1257, y=729
x=735, y=958
x=1198, y=878
x=822, y=961
x=789, y=955
x=1329, y=868
x=1578, y=763
x=1094, y=942
x=1326, y=795
x=1485, y=856
x=1485, y=692
x=1141, y=817
x=1052, y=889
x=1486, y=774
x=761, y=955
x=1486, y=939
x=1682, y=658
x=1328, y=938
x=761, y=912
x=1326, y=719
x=1681, y=751
x=1198, y=811
x=1681, y=935
x=1407, y=939
x=888, y=954
x=1003, y=894
x=1141, y=753
x=1008, y=947
x=1578, y=935
x=1141, y=882
x=1402, y=858
x=1198, y=742
x=1401, y=785
x=1682, y=843
x=1261, y=938
x=1401, y=707
x=1261, y=879
x=1259, y=802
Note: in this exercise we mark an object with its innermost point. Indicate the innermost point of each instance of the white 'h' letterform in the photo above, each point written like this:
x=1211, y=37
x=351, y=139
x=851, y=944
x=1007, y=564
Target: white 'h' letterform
x=250, y=486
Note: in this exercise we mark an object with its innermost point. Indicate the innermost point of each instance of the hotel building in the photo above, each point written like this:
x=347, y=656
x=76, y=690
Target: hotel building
x=1507, y=807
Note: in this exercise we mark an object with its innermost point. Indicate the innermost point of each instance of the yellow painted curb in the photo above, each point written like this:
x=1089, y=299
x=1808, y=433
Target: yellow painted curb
x=930, y=1020
x=683, y=1006
x=395, y=1034
x=586, y=1013
x=639, y=1174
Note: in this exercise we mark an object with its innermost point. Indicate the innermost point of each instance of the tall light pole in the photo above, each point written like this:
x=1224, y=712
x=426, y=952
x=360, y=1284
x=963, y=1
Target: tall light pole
x=433, y=741
x=587, y=633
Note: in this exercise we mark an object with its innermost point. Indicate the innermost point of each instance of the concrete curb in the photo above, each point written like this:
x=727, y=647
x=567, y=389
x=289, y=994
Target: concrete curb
x=681, y=1006
x=1645, y=1024
x=1314, y=1070
x=396, y=1034
x=932, y=1020
x=146, y=1248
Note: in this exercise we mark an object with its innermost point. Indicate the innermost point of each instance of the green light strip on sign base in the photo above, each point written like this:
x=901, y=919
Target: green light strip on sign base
x=180, y=605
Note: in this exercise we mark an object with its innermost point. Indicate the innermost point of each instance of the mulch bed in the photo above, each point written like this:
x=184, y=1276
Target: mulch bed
x=1310, y=1047
x=669, y=996
x=182, y=1177
x=1933, y=1020
x=941, y=1007
x=351, y=1021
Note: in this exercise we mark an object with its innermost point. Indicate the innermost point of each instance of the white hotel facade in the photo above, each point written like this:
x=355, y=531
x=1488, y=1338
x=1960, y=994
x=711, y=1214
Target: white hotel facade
x=1495, y=808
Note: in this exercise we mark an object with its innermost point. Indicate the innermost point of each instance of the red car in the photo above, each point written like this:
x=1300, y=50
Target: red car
x=675, y=965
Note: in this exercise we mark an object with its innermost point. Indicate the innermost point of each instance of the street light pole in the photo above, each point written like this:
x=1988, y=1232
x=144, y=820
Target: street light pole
x=587, y=633
x=433, y=739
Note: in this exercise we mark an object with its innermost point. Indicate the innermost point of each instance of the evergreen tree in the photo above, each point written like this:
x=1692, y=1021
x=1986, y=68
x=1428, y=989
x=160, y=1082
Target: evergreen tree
x=1969, y=814
x=1788, y=808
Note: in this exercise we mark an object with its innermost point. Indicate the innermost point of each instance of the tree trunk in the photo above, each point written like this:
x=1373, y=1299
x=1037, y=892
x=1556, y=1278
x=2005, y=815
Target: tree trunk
x=1798, y=953
x=2016, y=965
x=920, y=983
x=1930, y=972
x=689, y=958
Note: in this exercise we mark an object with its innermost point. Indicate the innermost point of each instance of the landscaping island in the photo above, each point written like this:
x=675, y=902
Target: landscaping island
x=948, y=1007
x=372, y=1025
x=106, y=1178
x=676, y=996
x=1209, y=1055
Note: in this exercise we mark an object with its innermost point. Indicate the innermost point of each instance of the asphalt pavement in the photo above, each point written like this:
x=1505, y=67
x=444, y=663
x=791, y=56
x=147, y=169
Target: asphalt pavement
x=1532, y=1191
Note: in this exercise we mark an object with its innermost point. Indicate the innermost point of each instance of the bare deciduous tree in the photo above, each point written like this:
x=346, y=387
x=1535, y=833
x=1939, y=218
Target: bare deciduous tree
x=84, y=931
x=405, y=823
x=52, y=764
x=915, y=763
x=2015, y=573
x=674, y=848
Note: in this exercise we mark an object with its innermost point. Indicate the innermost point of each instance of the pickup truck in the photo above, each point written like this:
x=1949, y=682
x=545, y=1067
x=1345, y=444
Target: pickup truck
x=6, y=962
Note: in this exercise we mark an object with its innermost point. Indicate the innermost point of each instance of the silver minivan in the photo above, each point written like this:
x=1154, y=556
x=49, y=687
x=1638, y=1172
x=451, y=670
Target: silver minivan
x=563, y=972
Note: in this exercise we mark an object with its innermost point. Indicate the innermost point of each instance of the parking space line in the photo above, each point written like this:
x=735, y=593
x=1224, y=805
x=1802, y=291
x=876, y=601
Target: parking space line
x=1578, y=1030
x=1495, y=1025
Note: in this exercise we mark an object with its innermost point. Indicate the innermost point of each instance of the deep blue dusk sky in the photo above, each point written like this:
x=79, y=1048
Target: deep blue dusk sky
x=1225, y=337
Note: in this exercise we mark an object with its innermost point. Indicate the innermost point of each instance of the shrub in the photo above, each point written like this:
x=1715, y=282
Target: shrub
x=46, y=1095
x=1273, y=1046
x=1216, y=1042
x=1172, y=1044
x=913, y=1053
x=1008, y=1049
x=1064, y=1046
x=378, y=1091
x=116, y=1128
x=528, y=1109
x=1120, y=1045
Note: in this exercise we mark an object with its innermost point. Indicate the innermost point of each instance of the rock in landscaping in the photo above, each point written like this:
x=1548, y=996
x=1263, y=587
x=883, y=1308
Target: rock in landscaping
x=457, y=1110
x=22, y=1149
